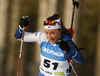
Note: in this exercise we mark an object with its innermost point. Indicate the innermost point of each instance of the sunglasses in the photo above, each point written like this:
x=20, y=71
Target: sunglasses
x=50, y=22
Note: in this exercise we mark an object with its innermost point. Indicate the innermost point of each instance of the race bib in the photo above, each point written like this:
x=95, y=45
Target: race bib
x=50, y=67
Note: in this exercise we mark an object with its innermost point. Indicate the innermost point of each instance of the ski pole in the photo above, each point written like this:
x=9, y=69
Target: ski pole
x=20, y=54
x=71, y=63
x=75, y=3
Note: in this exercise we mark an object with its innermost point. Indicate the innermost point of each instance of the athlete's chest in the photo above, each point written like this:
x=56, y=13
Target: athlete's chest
x=52, y=51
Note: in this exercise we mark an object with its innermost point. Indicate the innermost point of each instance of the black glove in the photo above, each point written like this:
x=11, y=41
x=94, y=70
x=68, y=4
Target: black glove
x=24, y=21
x=64, y=45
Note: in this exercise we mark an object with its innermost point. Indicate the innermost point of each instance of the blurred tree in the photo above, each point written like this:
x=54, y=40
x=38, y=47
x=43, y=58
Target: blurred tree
x=97, y=69
x=87, y=34
x=67, y=13
x=10, y=55
x=3, y=28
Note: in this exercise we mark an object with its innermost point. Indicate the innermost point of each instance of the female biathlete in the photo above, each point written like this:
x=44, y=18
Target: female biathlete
x=53, y=42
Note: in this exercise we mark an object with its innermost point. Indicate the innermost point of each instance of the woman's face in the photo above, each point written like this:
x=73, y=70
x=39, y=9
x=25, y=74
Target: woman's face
x=53, y=34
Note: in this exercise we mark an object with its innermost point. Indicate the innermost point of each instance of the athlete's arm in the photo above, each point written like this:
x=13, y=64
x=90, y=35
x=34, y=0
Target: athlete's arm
x=30, y=37
x=76, y=55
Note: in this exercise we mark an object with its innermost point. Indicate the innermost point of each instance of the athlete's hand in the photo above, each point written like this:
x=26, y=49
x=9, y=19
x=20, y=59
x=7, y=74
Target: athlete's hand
x=24, y=21
x=64, y=45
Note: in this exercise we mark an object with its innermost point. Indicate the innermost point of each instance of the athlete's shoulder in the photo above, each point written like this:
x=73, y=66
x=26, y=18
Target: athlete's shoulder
x=41, y=36
x=65, y=37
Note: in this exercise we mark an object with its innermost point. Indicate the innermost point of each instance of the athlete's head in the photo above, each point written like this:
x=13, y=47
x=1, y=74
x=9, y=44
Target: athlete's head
x=53, y=28
x=53, y=22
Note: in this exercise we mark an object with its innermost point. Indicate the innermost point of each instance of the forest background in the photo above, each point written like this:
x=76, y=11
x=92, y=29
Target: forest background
x=86, y=26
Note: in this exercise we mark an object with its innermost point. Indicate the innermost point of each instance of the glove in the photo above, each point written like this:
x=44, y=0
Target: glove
x=64, y=45
x=24, y=21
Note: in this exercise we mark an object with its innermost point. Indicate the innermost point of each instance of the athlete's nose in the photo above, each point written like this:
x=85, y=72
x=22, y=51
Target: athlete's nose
x=49, y=36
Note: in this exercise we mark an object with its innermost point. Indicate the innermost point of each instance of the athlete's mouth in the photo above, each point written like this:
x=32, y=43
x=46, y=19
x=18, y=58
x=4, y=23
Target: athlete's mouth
x=52, y=40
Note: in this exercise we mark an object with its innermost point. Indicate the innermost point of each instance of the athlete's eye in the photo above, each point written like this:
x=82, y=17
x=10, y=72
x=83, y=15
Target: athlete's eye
x=52, y=32
x=46, y=32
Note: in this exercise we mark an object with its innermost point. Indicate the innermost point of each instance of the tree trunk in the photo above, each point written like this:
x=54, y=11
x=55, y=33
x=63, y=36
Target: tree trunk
x=12, y=49
x=97, y=69
x=3, y=23
x=67, y=13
